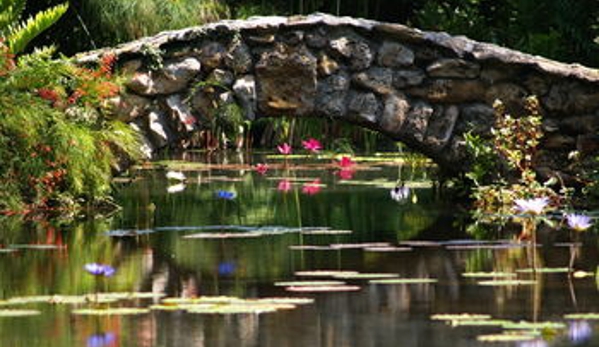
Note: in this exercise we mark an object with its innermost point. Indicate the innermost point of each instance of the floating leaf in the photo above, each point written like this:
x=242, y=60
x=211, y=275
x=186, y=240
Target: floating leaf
x=320, y=289
x=587, y=316
x=545, y=270
x=524, y=325
x=323, y=273
x=312, y=248
x=308, y=283
x=404, y=281
x=129, y=232
x=500, y=283
x=222, y=235
x=326, y=232
x=479, y=322
x=506, y=337
x=121, y=311
x=358, y=276
x=582, y=274
x=419, y=243
x=38, y=247
x=7, y=250
x=359, y=245
x=293, y=301
x=460, y=316
x=387, y=249
x=488, y=274
x=19, y=313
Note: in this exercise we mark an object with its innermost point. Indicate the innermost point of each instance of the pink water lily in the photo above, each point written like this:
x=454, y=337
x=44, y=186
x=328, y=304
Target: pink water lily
x=345, y=173
x=346, y=162
x=261, y=168
x=284, y=186
x=531, y=206
x=578, y=222
x=284, y=148
x=312, y=187
x=312, y=144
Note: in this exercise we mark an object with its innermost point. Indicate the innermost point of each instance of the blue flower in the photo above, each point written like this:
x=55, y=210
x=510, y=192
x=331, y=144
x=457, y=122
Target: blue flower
x=578, y=222
x=100, y=340
x=99, y=269
x=226, y=268
x=225, y=195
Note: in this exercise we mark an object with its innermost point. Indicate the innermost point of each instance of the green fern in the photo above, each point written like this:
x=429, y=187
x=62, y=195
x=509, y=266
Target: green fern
x=18, y=33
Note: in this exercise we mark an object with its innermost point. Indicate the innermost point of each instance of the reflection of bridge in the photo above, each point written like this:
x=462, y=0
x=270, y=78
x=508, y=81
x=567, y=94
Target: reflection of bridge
x=422, y=88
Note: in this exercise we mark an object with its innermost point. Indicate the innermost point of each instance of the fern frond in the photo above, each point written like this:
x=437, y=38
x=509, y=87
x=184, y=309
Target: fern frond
x=10, y=12
x=21, y=34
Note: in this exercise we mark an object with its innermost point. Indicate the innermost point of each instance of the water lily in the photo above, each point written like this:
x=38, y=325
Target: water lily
x=284, y=186
x=312, y=187
x=580, y=331
x=531, y=206
x=225, y=195
x=284, y=149
x=346, y=162
x=400, y=193
x=261, y=168
x=98, y=269
x=312, y=144
x=176, y=175
x=101, y=340
x=578, y=222
x=345, y=174
x=176, y=188
x=226, y=268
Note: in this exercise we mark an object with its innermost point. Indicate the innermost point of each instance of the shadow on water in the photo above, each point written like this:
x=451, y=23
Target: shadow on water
x=187, y=242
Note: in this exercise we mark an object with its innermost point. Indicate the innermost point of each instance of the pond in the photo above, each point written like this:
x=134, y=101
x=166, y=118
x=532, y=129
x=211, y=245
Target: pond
x=199, y=263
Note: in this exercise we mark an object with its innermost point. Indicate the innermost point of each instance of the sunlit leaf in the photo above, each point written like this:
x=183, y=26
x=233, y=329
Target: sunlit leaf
x=588, y=316
x=323, y=273
x=523, y=325
x=120, y=311
x=404, y=281
x=321, y=289
x=37, y=247
x=308, y=283
x=500, y=283
x=326, y=232
x=479, y=322
x=491, y=274
x=506, y=337
x=383, y=249
x=583, y=274
x=545, y=270
x=460, y=316
x=19, y=313
x=358, y=276
x=312, y=248
x=359, y=245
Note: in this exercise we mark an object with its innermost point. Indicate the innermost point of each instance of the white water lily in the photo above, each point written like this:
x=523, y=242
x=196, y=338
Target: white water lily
x=176, y=175
x=176, y=188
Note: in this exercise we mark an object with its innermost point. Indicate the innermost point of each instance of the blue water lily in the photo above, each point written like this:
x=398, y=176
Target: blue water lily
x=578, y=222
x=100, y=269
x=225, y=194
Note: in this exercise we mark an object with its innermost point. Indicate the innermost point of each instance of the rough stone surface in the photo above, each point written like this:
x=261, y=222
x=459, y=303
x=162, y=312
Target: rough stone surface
x=423, y=88
x=286, y=80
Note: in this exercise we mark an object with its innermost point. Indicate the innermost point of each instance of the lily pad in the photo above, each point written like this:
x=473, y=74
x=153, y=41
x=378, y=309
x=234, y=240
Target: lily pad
x=121, y=311
x=404, y=281
x=308, y=283
x=359, y=245
x=358, y=276
x=460, y=316
x=223, y=235
x=492, y=274
x=326, y=232
x=383, y=249
x=283, y=300
x=524, y=325
x=312, y=248
x=545, y=270
x=586, y=316
x=479, y=322
x=321, y=289
x=582, y=274
x=7, y=250
x=500, y=283
x=19, y=313
x=37, y=247
x=323, y=273
x=506, y=337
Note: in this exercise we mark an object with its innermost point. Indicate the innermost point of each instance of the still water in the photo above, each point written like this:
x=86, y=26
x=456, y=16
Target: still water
x=158, y=244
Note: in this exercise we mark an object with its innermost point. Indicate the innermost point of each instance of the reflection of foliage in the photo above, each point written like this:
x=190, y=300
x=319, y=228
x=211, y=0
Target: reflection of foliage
x=510, y=154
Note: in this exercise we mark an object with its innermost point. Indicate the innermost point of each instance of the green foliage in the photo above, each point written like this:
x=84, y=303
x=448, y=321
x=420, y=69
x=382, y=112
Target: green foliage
x=502, y=167
x=19, y=33
x=52, y=152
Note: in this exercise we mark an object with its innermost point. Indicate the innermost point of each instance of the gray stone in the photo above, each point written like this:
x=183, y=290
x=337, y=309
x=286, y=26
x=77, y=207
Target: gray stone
x=331, y=95
x=173, y=78
x=536, y=85
x=393, y=54
x=127, y=107
x=212, y=54
x=286, y=80
x=317, y=38
x=203, y=104
x=441, y=125
x=238, y=57
x=293, y=38
x=558, y=141
x=453, y=68
x=221, y=77
x=512, y=96
x=376, y=79
x=396, y=107
x=407, y=78
x=160, y=133
x=355, y=49
x=416, y=122
x=363, y=107
x=478, y=118
x=450, y=91
x=181, y=113
x=147, y=149
x=587, y=144
x=245, y=91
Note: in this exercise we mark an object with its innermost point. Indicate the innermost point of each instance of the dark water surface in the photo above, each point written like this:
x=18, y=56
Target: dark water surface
x=146, y=243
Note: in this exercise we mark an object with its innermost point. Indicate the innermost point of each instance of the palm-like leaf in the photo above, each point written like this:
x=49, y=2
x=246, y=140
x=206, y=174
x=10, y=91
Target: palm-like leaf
x=19, y=34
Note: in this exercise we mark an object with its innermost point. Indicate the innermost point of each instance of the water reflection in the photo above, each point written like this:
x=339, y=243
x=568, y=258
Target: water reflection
x=147, y=247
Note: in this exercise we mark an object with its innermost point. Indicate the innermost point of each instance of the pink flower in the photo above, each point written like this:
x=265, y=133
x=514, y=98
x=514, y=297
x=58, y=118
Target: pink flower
x=284, y=186
x=284, y=149
x=261, y=168
x=312, y=144
x=345, y=174
x=346, y=162
x=312, y=187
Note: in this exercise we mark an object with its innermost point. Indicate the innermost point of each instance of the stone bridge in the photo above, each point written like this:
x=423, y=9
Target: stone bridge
x=425, y=89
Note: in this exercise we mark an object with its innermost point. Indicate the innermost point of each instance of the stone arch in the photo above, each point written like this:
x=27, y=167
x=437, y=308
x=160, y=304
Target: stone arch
x=425, y=89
